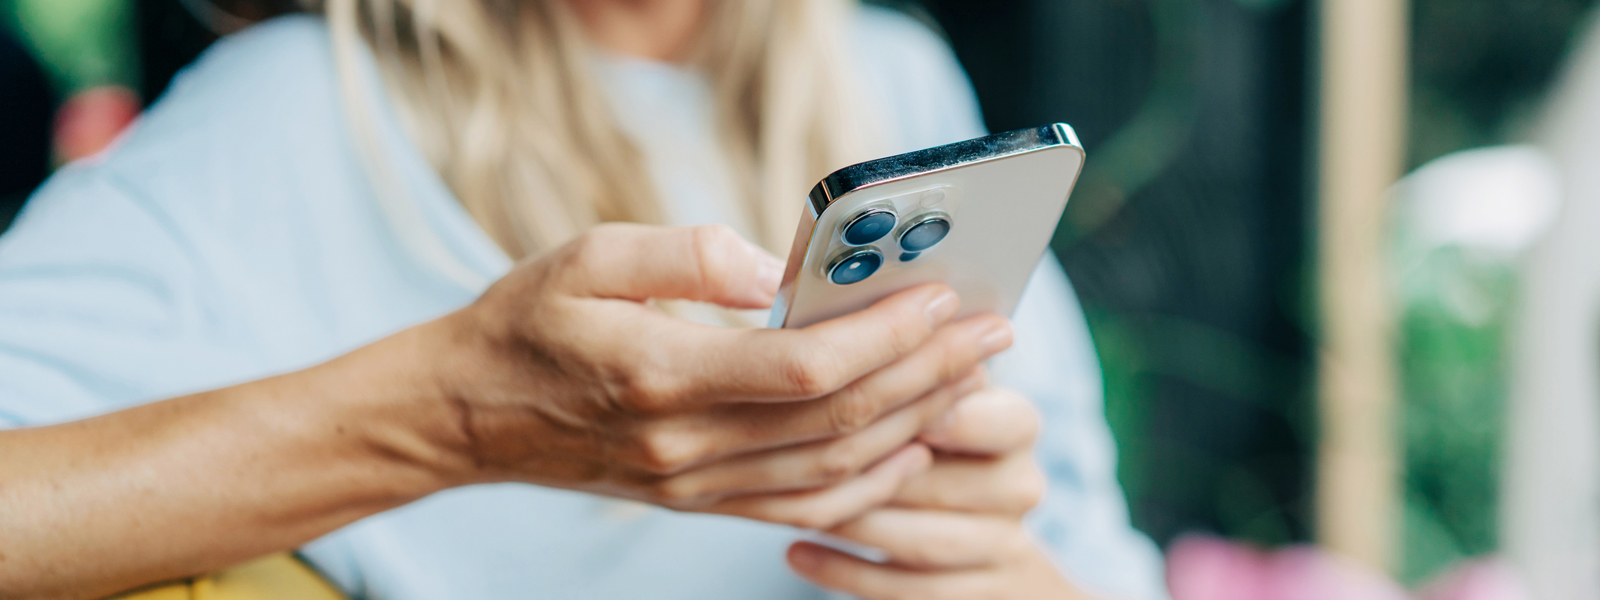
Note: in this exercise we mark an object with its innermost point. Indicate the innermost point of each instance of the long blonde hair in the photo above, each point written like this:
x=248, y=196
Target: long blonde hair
x=498, y=95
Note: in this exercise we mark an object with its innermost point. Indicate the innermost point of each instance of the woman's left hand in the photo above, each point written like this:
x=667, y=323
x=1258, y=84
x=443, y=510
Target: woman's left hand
x=954, y=531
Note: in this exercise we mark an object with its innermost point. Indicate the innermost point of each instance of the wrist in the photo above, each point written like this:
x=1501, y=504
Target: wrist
x=392, y=403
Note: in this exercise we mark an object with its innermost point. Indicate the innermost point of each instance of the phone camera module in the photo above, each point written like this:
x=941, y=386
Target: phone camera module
x=924, y=235
x=855, y=267
x=869, y=227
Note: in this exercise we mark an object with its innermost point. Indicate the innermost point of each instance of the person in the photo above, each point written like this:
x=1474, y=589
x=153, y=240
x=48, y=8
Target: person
x=317, y=209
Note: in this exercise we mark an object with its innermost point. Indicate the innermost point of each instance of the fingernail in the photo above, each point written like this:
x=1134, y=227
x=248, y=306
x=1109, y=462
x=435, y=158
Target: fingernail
x=996, y=340
x=943, y=306
x=805, y=558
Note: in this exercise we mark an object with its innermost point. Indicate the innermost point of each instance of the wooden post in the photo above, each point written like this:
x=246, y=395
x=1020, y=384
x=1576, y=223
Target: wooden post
x=1362, y=139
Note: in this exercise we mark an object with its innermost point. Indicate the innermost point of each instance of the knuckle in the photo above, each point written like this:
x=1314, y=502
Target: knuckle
x=955, y=363
x=950, y=363
x=587, y=252
x=957, y=359
x=649, y=386
x=715, y=237
x=809, y=373
x=712, y=246
x=906, y=335
x=646, y=395
x=664, y=452
x=849, y=414
x=839, y=460
x=584, y=248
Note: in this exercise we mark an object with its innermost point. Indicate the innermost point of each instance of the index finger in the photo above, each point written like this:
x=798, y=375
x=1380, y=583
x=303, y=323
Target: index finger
x=766, y=365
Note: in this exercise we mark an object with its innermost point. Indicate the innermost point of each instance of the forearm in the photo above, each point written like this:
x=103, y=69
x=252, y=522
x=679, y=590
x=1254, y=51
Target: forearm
x=201, y=482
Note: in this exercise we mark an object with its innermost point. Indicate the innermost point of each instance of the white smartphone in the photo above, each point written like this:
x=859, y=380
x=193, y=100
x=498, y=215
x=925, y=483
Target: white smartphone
x=975, y=215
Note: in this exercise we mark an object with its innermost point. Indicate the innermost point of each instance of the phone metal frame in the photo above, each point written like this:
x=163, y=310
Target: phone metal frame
x=869, y=174
x=940, y=158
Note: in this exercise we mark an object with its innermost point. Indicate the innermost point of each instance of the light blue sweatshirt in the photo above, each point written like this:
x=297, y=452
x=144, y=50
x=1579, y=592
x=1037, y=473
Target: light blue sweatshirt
x=233, y=234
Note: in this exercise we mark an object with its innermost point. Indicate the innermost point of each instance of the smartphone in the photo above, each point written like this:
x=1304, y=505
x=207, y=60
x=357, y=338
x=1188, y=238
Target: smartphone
x=975, y=215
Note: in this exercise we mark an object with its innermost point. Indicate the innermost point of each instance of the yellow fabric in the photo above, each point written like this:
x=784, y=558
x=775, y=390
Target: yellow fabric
x=276, y=577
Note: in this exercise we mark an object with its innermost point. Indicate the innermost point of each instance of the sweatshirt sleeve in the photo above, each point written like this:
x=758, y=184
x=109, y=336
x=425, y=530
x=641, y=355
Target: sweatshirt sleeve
x=98, y=307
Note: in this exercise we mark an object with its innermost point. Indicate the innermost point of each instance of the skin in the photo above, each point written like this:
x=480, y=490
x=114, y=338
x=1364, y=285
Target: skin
x=663, y=30
x=954, y=531
x=561, y=374
x=984, y=479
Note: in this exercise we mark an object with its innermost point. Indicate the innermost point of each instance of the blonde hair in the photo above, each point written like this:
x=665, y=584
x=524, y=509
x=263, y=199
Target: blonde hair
x=498, y=95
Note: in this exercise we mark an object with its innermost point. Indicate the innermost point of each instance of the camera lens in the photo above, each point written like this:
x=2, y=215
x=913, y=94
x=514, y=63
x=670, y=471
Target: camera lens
x=855, y=268
x=925, y=235
x=869, y=227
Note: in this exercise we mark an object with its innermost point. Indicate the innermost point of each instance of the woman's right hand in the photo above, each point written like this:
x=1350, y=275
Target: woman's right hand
x=564, y=375
x=561, y=374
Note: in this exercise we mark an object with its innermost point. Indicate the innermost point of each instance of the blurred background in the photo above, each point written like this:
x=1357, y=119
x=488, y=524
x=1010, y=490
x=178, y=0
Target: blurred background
x=1192, y=238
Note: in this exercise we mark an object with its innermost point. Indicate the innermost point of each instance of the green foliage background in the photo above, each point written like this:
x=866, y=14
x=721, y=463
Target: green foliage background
x=81, y=43
x=1481, y=70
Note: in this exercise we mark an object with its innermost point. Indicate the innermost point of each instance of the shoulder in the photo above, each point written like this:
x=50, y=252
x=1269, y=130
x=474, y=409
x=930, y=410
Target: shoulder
x=246, y=147
x=281, y=69
x=257, y=58
x=225, y=149
x=248, y=93
x=910, y=71
x=252, y=127
x=245, y=107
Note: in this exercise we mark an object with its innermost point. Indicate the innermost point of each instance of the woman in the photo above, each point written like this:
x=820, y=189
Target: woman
x=310, y=186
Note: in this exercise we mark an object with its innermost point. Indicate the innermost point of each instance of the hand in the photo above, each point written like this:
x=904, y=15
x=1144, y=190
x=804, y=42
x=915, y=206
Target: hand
x=563, y=375
x=560, y=374
x=954, y=531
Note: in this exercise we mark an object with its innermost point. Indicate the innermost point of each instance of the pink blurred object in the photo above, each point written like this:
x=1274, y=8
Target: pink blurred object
x=1478, y=580
x=1205, y=568
x=91, y=120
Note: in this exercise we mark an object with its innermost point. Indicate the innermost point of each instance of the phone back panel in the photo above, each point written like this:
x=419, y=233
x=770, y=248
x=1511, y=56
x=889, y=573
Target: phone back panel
x=1002, y=195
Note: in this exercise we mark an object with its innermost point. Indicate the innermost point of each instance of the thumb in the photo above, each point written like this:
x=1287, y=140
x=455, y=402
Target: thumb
x=708, y=263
